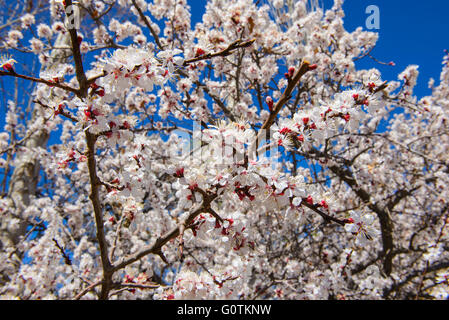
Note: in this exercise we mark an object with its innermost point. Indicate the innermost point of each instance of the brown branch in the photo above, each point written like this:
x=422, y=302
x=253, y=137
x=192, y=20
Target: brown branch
x=386, y=223
x=80, y=75
x=61, y=112
x=217, y=100
x=172, y=234
x=64, y=255
x=223, y=53
x=287, y=94
x=439, y=265
x=326, y=217
x=86, y=290
x=94, y=78
x=148, y=24
x=91, y=163
x=137, y=286
x=94, y=197
x=117, y=235
x=39, y=80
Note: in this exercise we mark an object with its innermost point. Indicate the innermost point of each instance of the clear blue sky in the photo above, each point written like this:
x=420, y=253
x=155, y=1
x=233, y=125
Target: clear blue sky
x=411, y=32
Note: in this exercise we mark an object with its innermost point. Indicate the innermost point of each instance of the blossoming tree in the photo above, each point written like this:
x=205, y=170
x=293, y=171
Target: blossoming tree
x=243, y=157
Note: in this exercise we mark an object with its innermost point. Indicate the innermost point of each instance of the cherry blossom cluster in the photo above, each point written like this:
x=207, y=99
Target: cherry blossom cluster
x=242, y=157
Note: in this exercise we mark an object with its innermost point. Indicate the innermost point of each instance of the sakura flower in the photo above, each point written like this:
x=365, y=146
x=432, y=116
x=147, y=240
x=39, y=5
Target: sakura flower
x=44, y=31
x=36, y=45
x=15, y=35
x=189, y=285
x=170, y=59
x=132, y=186
x=186, y=198
x=360, y=225
x=129, y=58
x=27, y=20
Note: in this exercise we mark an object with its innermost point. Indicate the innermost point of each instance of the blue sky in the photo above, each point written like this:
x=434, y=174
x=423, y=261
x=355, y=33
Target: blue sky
x=411, y=32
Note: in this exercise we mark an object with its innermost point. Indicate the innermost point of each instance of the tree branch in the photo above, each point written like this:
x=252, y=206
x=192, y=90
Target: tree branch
x=39, y=80
x=223, y=53
x=172, y=234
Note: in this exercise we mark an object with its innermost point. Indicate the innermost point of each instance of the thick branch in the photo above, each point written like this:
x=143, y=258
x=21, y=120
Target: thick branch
x=80, y=75
x=86, y=290
x=287, y=94
x=293, y=82
x=172, y=234
x=433, y=268
x=94, y=197
x=386, y=223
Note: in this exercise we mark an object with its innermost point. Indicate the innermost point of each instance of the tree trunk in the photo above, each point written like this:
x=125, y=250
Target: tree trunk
x=23, y=184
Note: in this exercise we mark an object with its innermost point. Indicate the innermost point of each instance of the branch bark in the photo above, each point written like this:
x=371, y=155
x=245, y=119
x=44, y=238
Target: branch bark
x=172, y=234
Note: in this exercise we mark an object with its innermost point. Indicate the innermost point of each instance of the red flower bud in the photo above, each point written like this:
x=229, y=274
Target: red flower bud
x=270, y=103
x=291, y=71
x=126, y=125
x=199, y=52
x=8, y=67
x=309, y=200
x=88, y=114
x=179, y=173
x=71, y=154
x=60, y=109
x=193, y=186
